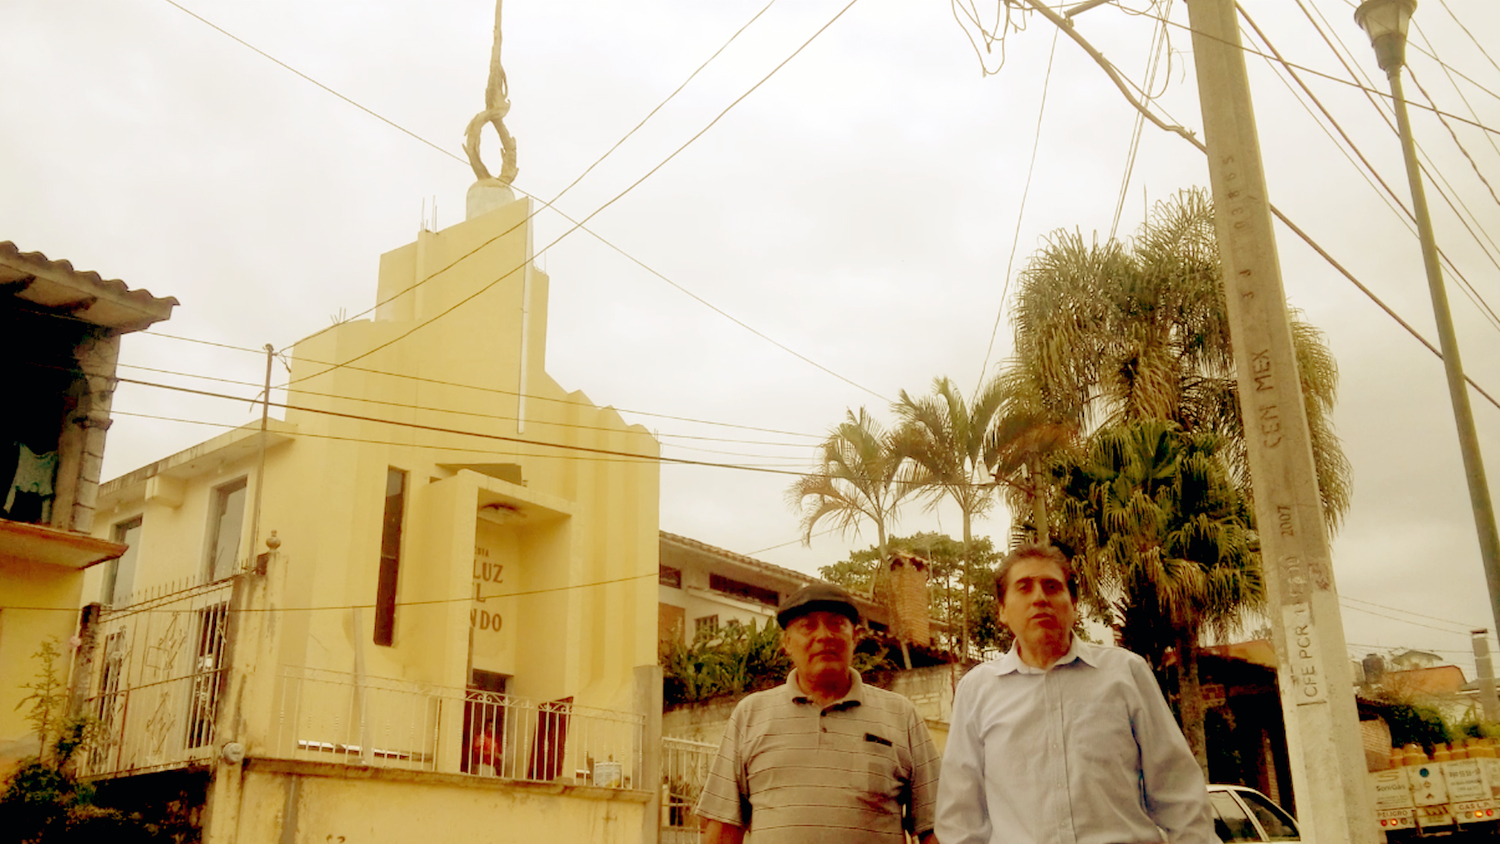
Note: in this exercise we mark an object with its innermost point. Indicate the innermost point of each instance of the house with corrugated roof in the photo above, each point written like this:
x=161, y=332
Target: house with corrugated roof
x=60, y=333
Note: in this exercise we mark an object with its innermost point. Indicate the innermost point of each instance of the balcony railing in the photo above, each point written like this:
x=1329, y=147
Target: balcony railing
x=157, y=681
x=333, y=716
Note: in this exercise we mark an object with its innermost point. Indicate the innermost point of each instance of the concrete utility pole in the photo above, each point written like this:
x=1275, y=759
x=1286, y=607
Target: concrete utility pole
x=1486, y=671
x=1317, y=685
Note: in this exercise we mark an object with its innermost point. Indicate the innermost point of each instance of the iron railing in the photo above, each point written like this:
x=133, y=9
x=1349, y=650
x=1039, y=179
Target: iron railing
x=157, y=682
x=684, y=768
x=339, y=717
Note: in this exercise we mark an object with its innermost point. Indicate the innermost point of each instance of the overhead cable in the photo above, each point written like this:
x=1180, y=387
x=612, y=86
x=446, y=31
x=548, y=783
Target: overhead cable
x=576, y=224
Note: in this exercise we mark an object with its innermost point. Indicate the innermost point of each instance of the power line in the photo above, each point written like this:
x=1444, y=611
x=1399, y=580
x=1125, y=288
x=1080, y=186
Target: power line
x=145, y=606
x=1020, y=214
x=796, y=541
x=632, y=457
x=1330, y=77
x=532, y=258
x=1121, y=82
x=1451, y=81
x=473, y=413
x=1350, y=606
x=576, y=224
x=1477, y=42
x=496, y=390
x=780, y=461
x=1152, y=65
x=1456, y=142
x=1409, y=612
x=626, y=456
x=1470, y=290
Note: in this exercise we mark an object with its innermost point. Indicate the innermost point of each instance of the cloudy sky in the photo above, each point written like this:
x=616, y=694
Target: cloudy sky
x=863, y=207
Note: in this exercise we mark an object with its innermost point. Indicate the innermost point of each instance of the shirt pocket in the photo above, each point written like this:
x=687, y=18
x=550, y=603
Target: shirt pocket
x=1100, y=736
x=875, y=767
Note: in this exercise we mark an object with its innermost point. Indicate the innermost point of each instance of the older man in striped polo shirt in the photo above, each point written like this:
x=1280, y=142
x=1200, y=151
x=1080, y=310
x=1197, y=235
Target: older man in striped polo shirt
x=823, y=758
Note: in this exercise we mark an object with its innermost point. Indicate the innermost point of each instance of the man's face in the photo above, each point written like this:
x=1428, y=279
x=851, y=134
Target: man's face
x=820, y=644
x=1038, y=608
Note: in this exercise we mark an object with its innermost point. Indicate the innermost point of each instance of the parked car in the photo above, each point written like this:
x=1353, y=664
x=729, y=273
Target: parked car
x=1244, y=814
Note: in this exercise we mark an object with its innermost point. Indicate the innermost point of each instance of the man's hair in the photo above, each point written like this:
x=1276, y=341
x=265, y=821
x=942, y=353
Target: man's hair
x=1035, y=551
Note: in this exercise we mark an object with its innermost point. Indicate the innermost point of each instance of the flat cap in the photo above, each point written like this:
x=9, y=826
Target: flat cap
x=816, y=596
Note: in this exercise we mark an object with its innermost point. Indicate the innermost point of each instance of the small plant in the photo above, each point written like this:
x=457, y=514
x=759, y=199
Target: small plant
x=47, y=697
x=43, y=801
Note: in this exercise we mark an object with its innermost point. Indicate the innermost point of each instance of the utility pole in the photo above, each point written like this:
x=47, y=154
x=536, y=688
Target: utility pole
x=1480, y=638
x=1317, y=685
x=1385, y=21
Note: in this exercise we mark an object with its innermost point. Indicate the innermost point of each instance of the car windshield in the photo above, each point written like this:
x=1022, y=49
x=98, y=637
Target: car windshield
x=1278, y=825
x=1230, y=821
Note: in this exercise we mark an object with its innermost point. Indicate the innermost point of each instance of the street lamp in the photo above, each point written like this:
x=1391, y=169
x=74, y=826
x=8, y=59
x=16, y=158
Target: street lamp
x=1385, y=21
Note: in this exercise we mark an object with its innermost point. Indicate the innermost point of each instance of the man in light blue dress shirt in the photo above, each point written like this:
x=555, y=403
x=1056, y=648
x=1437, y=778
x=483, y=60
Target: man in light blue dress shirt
x=1064, y=742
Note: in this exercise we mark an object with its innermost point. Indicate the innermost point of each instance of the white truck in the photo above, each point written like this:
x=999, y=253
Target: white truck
x=1437, y=796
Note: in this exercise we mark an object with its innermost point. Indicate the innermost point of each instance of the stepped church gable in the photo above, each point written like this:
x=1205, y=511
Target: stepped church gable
x=440, y=575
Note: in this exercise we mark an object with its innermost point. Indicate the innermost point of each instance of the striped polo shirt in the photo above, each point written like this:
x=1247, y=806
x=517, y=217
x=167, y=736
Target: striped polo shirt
x=860, y=770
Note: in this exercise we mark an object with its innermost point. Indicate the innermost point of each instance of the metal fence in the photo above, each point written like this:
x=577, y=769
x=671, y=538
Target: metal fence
x=157, y=681
x=338, y=717
x=684, y=767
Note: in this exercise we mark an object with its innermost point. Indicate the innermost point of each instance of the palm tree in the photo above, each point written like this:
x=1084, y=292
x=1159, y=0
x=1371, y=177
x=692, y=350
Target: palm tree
x=1115, y=334
x=1028, y=441
x=1107, y=334
x=860, y=475
x=949, y=442
x=1165, y=545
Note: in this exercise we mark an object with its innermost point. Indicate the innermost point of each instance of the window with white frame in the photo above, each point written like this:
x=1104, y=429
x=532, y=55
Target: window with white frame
x=119, y=574
x=226, y=519
x=705, y=625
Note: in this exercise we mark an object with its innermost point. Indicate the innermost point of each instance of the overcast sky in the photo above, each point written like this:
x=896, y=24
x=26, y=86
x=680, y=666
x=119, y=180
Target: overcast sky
x=859, y=207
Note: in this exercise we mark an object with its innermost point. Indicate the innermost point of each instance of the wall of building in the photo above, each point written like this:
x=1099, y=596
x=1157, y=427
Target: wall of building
x=930, y=689
x=313, y=804
x=42, y=604
x=529, y=529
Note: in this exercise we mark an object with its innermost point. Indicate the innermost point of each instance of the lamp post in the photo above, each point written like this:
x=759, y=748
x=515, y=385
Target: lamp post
x=1385, y=21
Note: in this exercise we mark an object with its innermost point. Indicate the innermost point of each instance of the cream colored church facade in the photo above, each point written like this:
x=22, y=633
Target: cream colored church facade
x=452, y=633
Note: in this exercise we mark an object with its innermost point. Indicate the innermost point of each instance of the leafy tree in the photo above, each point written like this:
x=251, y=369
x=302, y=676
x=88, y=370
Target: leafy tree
x=738, y=659
x=1112, y=333
x=860, y=476
x=1028, y=443
x=948, y=439
x=944, y=557
x=1415, y=723
x=1164, y=546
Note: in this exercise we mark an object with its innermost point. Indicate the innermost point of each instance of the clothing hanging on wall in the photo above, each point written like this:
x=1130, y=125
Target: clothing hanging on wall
x=29, y=498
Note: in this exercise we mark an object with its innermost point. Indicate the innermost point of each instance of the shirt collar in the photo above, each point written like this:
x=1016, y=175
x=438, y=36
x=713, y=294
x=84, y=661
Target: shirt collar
x=854, y=697
x=1011, y=662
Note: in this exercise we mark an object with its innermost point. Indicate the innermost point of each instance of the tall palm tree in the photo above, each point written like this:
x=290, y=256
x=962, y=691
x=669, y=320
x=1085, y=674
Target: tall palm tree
x=1027, y=441
x=1109, y=333
x=1115, y=334
x=1165, y=545
x=948, y=440
x=861, y=475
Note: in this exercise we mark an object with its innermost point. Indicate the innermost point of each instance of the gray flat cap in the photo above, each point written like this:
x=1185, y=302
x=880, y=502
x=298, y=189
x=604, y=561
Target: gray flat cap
x=816, y=596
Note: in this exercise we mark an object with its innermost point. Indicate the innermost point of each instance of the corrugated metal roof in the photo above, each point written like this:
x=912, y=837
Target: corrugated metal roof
x=867, y=606
x=751, y=562
x=56, y=287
